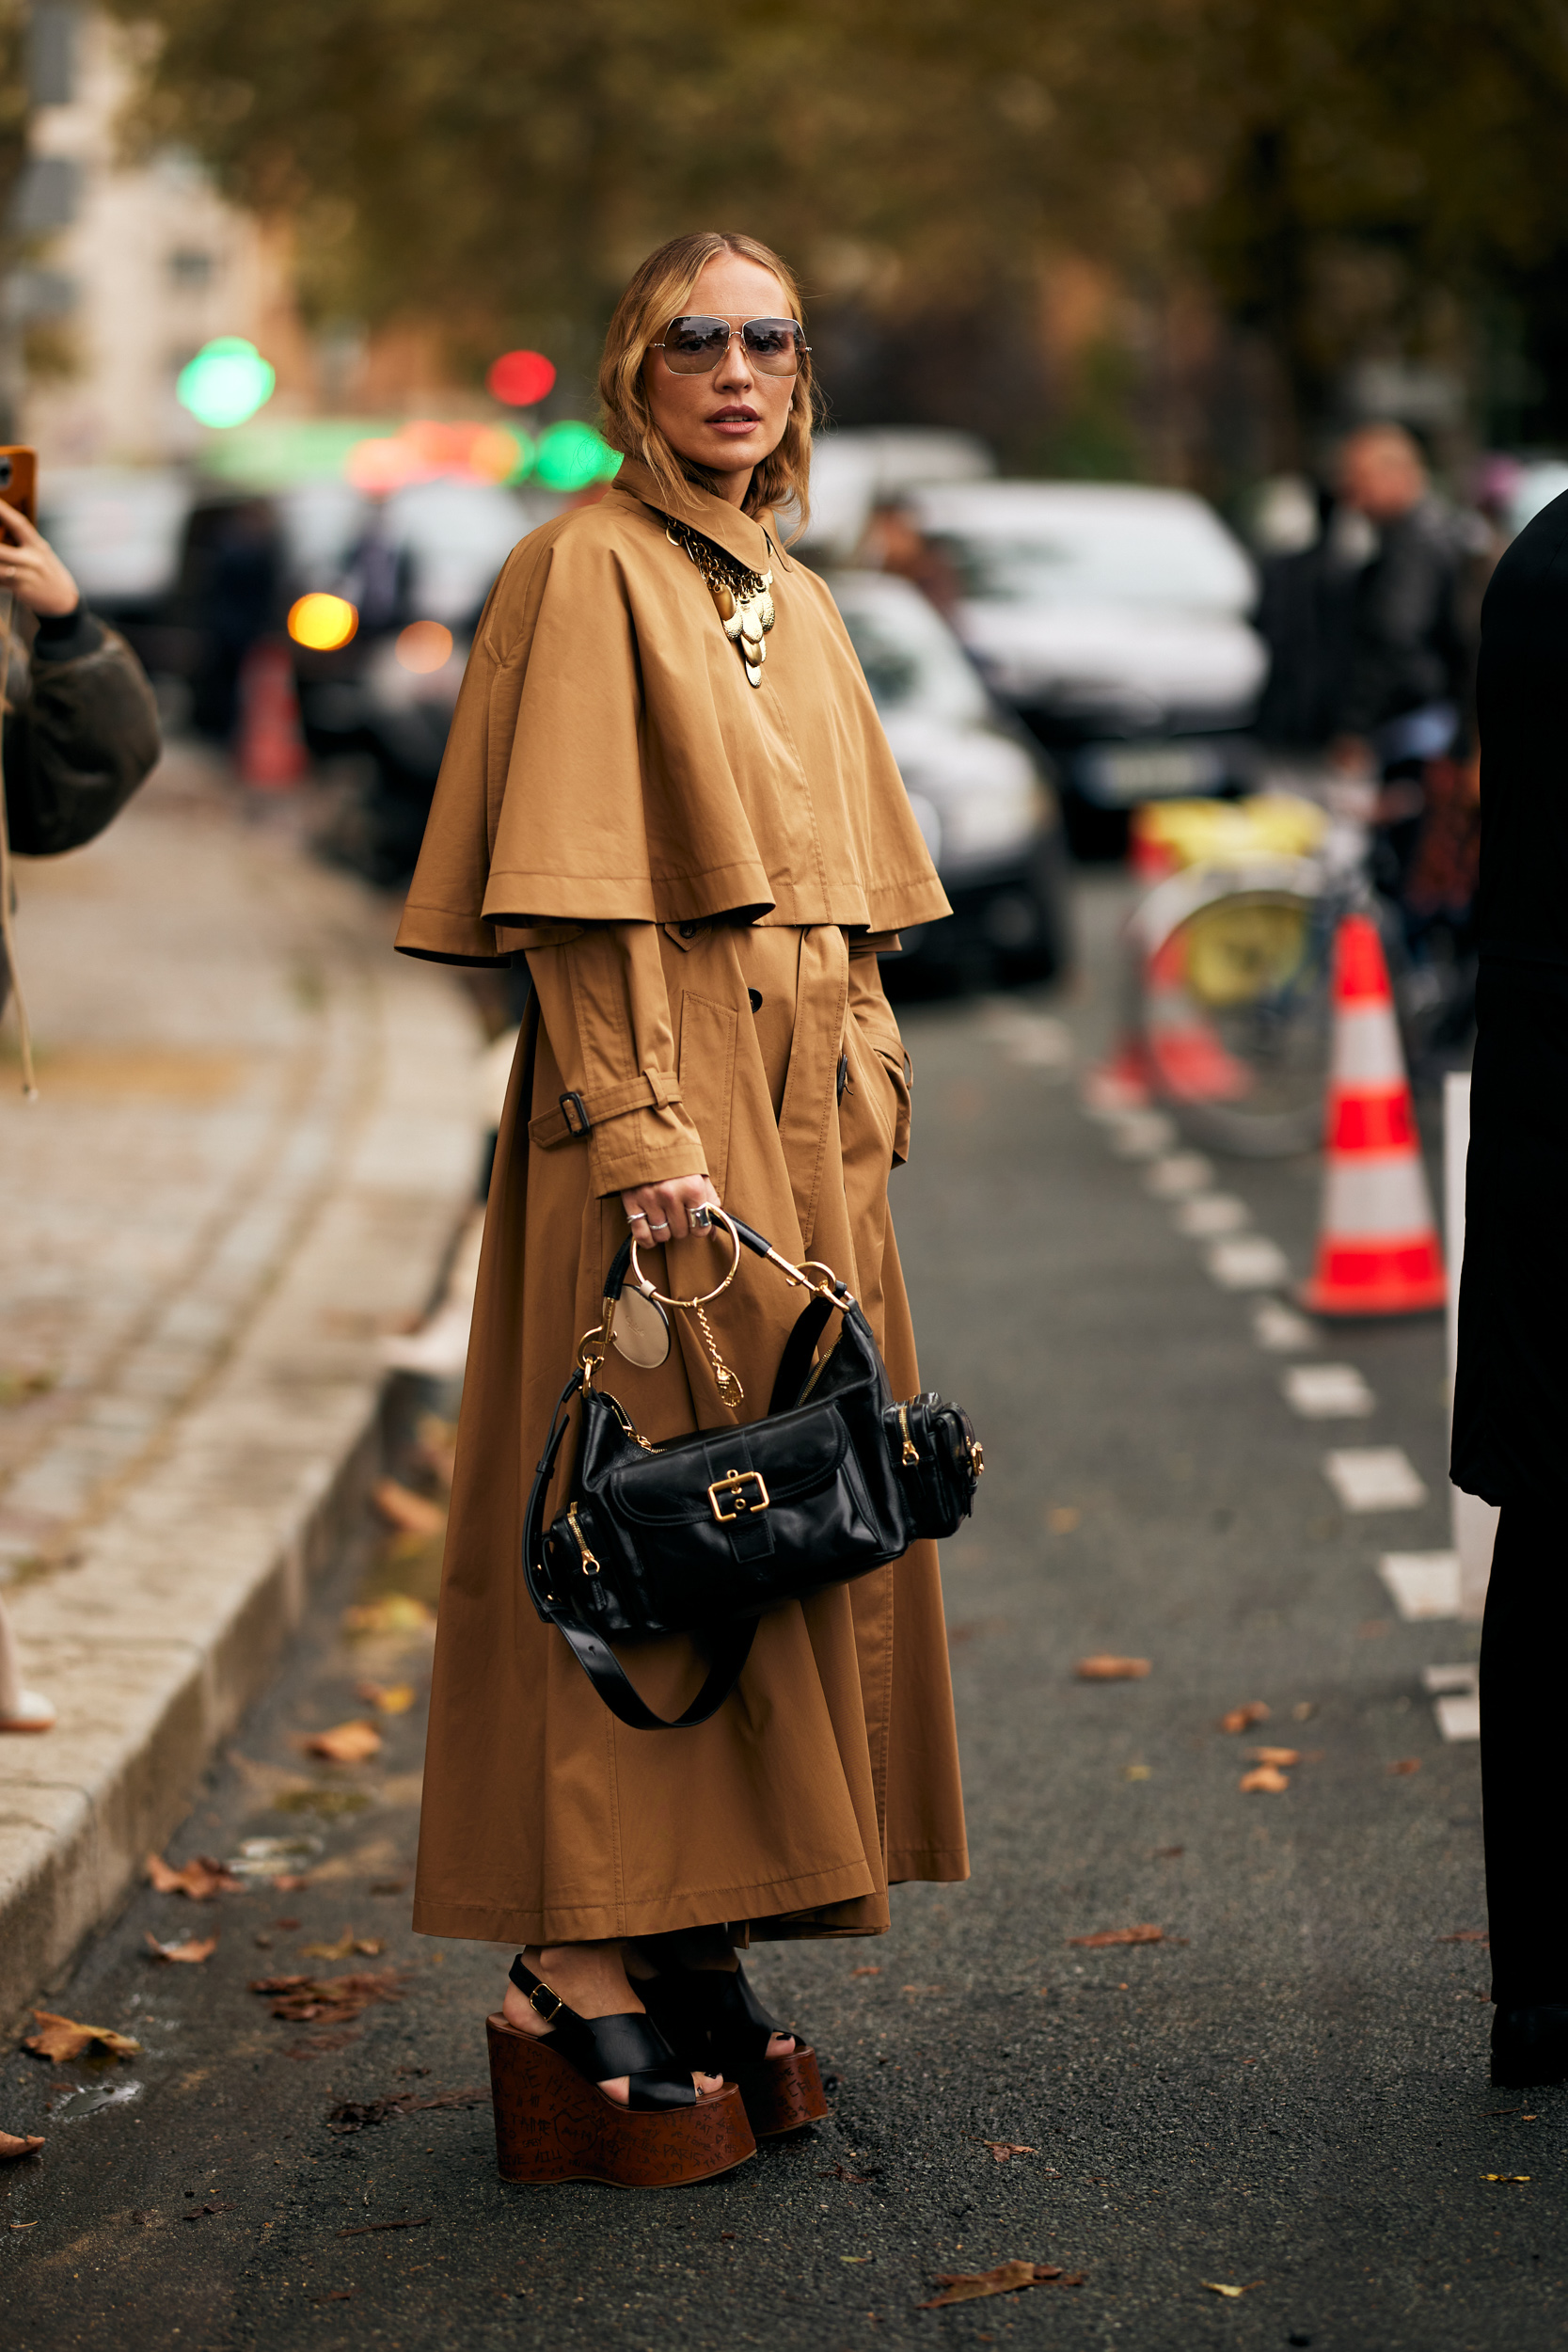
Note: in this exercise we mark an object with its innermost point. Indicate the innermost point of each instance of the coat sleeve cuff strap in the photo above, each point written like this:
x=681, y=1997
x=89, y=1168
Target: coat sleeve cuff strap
x=576, y=1113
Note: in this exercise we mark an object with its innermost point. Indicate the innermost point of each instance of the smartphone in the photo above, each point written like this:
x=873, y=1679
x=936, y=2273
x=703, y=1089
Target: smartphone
x=19, y=481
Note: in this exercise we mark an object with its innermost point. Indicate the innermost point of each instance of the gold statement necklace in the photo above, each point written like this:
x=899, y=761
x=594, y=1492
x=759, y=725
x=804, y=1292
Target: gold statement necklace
x=742, y=598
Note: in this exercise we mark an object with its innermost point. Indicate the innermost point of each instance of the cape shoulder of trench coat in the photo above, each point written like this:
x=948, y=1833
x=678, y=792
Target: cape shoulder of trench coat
x=609, y=763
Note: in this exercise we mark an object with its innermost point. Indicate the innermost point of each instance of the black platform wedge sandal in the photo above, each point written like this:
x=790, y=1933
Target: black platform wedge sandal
x=553, y=2121
x=715, y=2023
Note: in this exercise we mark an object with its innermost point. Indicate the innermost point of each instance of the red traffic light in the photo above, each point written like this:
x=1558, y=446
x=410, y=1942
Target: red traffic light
x=521, y=378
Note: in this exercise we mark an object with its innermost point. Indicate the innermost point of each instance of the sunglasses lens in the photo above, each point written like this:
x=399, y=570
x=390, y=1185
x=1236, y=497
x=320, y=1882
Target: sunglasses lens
x=770, y=345
x=695, y=346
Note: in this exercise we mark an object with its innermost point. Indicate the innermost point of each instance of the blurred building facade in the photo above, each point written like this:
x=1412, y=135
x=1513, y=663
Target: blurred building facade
x=132, y=266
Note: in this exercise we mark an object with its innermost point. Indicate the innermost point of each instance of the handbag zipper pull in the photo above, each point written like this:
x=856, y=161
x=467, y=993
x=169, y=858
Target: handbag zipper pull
x=910, y=1454
x=590, y=1566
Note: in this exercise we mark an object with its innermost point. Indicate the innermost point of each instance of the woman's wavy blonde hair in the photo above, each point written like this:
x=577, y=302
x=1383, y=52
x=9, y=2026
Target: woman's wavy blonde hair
x=660, y=292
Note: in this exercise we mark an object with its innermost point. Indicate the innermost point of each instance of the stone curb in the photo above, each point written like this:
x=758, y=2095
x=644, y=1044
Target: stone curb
x=182, y=1600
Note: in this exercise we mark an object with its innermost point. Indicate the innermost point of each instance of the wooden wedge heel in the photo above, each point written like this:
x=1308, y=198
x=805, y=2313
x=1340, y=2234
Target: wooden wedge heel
x=715, y=2023
x=554, y=2122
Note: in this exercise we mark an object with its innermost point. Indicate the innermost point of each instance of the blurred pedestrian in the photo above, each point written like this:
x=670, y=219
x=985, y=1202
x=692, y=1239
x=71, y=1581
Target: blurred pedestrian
x=81, y=733
x=1511, y=1402
x=701, y=856
x=1408, y=675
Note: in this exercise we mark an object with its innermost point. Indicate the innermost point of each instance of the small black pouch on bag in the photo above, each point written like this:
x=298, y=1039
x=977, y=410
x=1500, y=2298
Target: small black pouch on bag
x=939, y=1461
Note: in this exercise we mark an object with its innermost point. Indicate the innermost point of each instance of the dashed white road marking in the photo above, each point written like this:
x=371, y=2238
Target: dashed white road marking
x=1459, y=1717
x=1327, y=1392
x=1040, y=1044
x=1178, y=1175
x=1209, y=1213
x=1455, y=1700
x=1250, y=1262
x=1280, y=1329
x=1422, y=1583
x=1374, y=1478
x=1141, y=1134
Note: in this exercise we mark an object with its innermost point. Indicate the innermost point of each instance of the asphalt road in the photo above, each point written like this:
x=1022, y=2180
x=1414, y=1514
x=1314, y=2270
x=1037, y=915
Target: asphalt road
x=1288, y=2094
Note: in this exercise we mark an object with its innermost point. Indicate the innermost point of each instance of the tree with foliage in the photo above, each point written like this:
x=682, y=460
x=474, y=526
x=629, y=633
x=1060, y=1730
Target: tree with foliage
x=1301, y=182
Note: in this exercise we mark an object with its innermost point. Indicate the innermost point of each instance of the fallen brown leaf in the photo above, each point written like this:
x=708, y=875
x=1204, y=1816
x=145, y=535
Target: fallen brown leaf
x=199, y=2213
x=1003, y=2148
x=344, y=1948
x=387, y=1699
x=11, y=2147
x=1146, y=1935
x=1267, y=1781
x=961, y=2286
x=394, y=1612
x=1103, y=1668
x=865, y=1972
x=1217, y=2286
x=1275, y=1755
x=61, y=2037
x=345, y=1744
x=402, y=1508
x=1520, y=2177
x=201, y=1878
x=360, y=2115
x=306, y=1999
x=1063, y=1519
x=195, y=1948
x=1466, y=1935
x=1242, y=1718
x=1405, y=1764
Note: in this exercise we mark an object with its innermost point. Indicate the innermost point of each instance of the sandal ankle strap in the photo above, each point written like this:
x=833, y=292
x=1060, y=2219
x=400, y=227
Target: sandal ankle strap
x=602, y=2047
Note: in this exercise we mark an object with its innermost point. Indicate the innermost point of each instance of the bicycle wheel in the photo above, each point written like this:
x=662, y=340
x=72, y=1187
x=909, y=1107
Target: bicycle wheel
x=1233, y=970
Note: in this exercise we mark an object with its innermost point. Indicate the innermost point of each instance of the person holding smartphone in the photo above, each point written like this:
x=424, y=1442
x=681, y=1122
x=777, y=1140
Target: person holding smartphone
x=81, y=733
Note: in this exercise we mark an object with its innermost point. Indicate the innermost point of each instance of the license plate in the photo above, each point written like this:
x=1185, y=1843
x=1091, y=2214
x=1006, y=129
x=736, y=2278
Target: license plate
x=1121, y=774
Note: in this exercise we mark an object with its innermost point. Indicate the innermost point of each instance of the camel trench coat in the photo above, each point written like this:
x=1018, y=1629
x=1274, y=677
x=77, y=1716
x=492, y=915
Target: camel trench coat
x=700, y=875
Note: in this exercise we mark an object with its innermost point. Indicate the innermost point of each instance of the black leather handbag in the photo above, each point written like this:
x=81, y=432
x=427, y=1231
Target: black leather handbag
x=703, y=1535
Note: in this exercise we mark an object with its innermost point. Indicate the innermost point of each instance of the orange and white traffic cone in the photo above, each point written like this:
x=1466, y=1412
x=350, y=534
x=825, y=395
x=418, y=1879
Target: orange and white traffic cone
x=270, y=751
x=1378, y=1252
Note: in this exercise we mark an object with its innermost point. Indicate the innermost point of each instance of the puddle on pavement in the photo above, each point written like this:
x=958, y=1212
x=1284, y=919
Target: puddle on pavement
x=82, y=2103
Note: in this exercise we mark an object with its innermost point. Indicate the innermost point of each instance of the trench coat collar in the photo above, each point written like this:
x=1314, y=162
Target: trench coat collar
x=755, y=544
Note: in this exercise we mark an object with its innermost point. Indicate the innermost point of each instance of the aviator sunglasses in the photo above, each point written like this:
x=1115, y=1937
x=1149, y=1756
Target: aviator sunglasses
x=695, y=346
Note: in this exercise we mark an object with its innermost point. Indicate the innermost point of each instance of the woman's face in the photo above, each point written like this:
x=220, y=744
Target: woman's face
x=730, y=420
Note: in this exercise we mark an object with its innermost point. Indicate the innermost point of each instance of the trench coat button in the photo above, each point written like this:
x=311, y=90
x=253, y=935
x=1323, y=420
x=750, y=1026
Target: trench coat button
x=689, y=930
x=755, y=996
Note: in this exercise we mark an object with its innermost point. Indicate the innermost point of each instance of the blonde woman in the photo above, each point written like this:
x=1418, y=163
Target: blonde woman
x=701, y=848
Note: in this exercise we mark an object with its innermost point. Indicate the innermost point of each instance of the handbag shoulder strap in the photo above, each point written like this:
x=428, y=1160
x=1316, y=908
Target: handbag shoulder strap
x=730, y=1648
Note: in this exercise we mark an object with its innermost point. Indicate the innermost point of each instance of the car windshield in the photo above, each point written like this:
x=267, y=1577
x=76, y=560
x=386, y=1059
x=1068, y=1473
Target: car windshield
x=1145, y=557
x=912, y=663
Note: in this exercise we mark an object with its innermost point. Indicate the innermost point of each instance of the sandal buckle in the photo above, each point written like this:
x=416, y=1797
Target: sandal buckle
x=532, y=1996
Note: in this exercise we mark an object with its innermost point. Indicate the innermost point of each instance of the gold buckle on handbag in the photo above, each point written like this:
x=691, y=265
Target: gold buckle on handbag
x=731, y=1484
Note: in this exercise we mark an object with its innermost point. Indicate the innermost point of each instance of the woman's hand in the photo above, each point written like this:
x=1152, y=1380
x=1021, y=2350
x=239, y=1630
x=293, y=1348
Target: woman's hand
x=34, y=570
x=662, y=1213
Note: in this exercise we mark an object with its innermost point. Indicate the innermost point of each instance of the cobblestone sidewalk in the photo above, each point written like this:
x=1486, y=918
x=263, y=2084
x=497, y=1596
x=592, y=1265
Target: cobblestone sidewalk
x=254, y=1144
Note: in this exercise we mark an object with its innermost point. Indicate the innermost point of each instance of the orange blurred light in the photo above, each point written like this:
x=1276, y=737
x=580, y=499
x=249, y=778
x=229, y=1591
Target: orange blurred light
x=377, y=466
x=424, y=647
x=494, y=453
x=322, y=622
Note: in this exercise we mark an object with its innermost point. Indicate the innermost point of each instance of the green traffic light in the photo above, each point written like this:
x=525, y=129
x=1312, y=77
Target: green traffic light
x=571, y=456
x=225, y=382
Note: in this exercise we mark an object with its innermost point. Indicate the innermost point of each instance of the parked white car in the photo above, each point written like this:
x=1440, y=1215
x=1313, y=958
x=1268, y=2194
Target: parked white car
x=981, y=791
x=1115, y=622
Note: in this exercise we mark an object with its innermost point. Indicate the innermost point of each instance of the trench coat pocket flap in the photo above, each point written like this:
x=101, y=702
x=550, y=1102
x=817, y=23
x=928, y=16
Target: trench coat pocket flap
x=901, y=1070
x=708, y=1052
